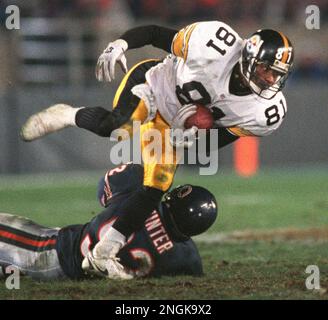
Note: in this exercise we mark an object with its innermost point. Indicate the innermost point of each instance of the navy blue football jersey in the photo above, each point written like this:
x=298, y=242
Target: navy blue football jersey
x=148, y=252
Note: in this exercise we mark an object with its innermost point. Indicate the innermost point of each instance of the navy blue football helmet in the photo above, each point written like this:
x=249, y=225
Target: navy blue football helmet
x=188, y=211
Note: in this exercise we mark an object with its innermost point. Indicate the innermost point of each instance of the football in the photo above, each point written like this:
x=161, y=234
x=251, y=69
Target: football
x=202, y=119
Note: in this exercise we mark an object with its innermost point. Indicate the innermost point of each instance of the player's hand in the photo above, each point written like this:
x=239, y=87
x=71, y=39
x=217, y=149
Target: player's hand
x=114, y=53
x=182, y=115
x=183, y=138
x=179, y=136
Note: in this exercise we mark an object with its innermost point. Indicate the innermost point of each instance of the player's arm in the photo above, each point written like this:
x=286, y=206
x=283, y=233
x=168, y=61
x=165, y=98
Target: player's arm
x=224, y=137
x=157, y=36
x=170, y=40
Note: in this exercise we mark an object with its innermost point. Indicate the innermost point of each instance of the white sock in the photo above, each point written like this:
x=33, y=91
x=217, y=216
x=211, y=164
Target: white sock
x=71, y=116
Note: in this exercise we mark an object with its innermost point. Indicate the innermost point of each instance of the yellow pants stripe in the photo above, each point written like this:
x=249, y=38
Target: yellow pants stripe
x=125, y=79
x=159, y=169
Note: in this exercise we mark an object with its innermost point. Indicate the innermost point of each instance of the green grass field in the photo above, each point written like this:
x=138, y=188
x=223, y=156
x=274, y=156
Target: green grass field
x=256, y=266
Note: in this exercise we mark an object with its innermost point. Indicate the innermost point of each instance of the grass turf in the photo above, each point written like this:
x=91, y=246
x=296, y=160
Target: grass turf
x=250, y=270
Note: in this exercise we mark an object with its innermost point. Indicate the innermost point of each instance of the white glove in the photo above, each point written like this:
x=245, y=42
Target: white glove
x=114, y=53
x=182, y=115
x=102, y=259
x=179, y=136
x=183, y=138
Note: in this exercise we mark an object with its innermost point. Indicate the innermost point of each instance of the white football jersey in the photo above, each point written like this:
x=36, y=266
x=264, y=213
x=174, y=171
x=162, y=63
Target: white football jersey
x=199, y=71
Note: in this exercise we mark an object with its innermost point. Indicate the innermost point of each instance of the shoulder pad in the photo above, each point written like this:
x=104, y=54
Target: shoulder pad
x=122, y=179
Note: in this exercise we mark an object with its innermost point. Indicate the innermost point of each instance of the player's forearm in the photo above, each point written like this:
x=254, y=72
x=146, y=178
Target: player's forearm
x=160, y=37
x=136, y=210
x=223, y=136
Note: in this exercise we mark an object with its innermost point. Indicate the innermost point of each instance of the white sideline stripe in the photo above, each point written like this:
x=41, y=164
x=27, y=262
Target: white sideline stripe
x=248, y=199
x=277, y=235
x=39, y=181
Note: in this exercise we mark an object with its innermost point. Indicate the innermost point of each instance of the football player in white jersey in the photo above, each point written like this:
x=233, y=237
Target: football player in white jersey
x=209, y=64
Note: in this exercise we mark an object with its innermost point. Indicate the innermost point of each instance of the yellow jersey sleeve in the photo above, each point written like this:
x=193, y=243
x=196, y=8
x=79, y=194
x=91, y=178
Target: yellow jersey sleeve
x=240, y=132
x=180, y=41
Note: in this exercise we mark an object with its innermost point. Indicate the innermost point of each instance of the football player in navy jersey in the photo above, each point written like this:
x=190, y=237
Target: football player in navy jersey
x=162, y=247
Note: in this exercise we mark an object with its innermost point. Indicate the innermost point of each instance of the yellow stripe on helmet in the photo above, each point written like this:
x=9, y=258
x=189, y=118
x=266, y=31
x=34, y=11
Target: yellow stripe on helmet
x=286, y=45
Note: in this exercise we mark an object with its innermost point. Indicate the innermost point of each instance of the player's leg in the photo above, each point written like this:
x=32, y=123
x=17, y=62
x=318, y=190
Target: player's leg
x=95, y=119
x=159, y=171
x=127, y=107
x=29, y=247
x=158, y=176
x=160, y=158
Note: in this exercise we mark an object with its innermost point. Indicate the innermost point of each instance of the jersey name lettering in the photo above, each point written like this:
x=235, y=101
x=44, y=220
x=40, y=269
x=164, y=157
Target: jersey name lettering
x=157, y=233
